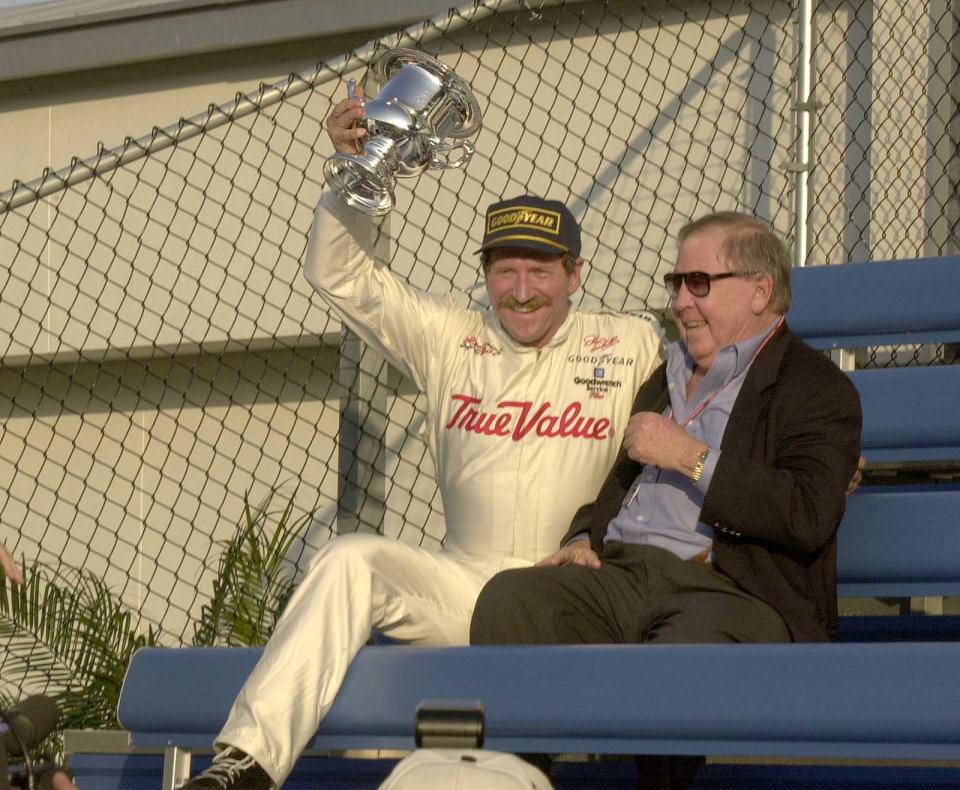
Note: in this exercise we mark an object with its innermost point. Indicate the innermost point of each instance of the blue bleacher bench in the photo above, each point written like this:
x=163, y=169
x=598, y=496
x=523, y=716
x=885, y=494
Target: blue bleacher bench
x=890, y=689
x=890, y=700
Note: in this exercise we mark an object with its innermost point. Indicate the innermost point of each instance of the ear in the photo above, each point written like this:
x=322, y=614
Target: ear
x=762, y=293
x=573, y=281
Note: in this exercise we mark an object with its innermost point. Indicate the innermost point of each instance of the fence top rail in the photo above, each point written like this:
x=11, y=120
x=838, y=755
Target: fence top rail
x=158, y=139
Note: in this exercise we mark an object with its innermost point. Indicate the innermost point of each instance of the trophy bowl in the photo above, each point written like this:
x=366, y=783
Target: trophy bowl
x=418, y=121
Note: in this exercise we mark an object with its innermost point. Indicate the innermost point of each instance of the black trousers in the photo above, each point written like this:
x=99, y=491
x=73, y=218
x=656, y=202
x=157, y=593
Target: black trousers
x=639, y=594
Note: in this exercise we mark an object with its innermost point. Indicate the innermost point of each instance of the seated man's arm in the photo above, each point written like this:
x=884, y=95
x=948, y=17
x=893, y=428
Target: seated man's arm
x=796, y=501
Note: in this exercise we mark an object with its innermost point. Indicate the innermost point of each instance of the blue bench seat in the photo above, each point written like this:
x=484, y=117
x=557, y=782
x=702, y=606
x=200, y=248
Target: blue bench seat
x=827, y=700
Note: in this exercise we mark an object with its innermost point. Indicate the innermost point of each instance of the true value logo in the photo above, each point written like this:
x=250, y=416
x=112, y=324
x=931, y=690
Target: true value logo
x=515, y=419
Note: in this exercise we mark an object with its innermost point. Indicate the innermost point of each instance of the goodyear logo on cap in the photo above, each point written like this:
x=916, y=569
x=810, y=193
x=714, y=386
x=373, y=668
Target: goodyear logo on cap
x=537, y=219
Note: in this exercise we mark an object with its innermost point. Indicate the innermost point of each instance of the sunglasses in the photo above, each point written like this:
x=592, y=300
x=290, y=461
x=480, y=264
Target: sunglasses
x=698, y=283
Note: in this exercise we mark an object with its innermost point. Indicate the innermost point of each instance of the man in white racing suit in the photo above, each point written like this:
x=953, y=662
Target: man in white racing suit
x=526, y=405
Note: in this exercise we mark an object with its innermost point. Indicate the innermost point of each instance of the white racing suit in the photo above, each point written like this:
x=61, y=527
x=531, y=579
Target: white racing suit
x=520, y=438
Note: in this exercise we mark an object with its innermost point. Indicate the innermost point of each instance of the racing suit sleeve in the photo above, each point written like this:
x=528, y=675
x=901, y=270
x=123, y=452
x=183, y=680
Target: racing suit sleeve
x=392, y=317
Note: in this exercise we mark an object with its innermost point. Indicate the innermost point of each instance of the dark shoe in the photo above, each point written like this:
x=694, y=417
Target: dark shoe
x=231, y=769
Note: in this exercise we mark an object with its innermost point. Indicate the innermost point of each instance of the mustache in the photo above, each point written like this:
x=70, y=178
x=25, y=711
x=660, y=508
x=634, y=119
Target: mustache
x=509, y=303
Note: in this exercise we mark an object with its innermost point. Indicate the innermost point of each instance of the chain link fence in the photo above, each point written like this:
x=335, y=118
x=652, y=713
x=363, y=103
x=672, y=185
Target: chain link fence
x=164, y=362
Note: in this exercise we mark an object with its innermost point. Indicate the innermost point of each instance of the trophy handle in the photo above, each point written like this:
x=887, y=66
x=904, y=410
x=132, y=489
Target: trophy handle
x=442, y=151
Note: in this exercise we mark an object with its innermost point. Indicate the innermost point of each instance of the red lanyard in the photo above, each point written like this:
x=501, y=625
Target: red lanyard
x=697, y=411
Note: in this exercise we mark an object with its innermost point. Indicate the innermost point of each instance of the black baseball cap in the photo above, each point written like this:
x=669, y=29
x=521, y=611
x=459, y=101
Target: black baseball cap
x=531, y=223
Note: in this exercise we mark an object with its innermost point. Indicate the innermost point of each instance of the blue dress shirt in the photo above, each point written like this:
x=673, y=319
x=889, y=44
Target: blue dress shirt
x=663, y=507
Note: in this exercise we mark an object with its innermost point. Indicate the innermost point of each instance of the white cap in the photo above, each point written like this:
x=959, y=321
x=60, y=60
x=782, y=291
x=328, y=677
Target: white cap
x=464, y=769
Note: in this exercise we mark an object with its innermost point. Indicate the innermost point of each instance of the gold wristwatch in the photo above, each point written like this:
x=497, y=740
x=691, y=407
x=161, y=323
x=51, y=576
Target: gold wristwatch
x=698, y=466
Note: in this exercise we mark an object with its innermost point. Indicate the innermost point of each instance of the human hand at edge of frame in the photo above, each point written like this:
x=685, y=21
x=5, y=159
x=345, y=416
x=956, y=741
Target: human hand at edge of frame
x=58, y=779
x=61, y=781
x=49, y=776
x=346, y=136
x=857, y=478
x=576, y=552
x=14, y=574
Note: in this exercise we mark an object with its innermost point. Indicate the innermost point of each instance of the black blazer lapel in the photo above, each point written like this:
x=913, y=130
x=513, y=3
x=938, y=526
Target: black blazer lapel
x=751, y=401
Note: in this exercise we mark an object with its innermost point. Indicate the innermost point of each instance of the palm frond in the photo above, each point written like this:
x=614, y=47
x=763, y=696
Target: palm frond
x=254, y=579
x=67, y=636
x=64, y=633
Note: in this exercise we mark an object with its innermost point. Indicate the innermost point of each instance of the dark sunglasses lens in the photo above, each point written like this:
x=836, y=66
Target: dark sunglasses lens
x=698, y=283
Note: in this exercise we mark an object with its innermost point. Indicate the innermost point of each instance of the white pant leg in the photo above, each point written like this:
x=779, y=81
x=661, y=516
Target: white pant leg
x=356, y=582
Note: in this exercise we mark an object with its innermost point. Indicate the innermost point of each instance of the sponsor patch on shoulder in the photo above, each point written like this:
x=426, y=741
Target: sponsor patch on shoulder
x=471, y=343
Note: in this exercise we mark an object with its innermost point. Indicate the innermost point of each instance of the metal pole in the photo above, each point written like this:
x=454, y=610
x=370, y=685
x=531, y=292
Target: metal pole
x=805, y=108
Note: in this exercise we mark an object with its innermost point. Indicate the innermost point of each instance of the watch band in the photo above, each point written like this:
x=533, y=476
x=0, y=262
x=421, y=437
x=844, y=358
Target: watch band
x=697, y=472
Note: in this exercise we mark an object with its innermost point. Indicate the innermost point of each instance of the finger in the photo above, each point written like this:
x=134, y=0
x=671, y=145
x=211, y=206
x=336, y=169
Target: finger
x=588, y=560
x=10, y=567
x=345, y=115
x=566, y=556
x=354, y=90
x=552, y=560
x=345, y=134
x=347, y=138
x=634, y=453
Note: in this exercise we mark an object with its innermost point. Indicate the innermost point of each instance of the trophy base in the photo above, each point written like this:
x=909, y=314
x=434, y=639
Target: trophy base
x=361, y=185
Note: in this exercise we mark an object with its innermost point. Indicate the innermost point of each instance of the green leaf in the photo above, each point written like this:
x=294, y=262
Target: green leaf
x=255, y=578
x=67, y=636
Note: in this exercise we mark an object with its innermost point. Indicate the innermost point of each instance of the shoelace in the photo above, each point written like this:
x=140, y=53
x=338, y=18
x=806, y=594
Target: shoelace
x=226, y=767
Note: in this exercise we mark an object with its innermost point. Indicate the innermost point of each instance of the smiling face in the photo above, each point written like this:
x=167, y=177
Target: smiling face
x=736, y=308
x=530, y=292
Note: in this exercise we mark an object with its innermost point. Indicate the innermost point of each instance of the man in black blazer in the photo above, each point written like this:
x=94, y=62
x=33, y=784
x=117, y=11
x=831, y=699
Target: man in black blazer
x=718, y=520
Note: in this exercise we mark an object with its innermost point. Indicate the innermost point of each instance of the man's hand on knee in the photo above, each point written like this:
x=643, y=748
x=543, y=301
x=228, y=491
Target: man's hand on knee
x=577, y=552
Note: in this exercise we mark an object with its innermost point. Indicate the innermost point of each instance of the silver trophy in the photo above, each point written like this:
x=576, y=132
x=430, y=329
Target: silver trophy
x=417, y=122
